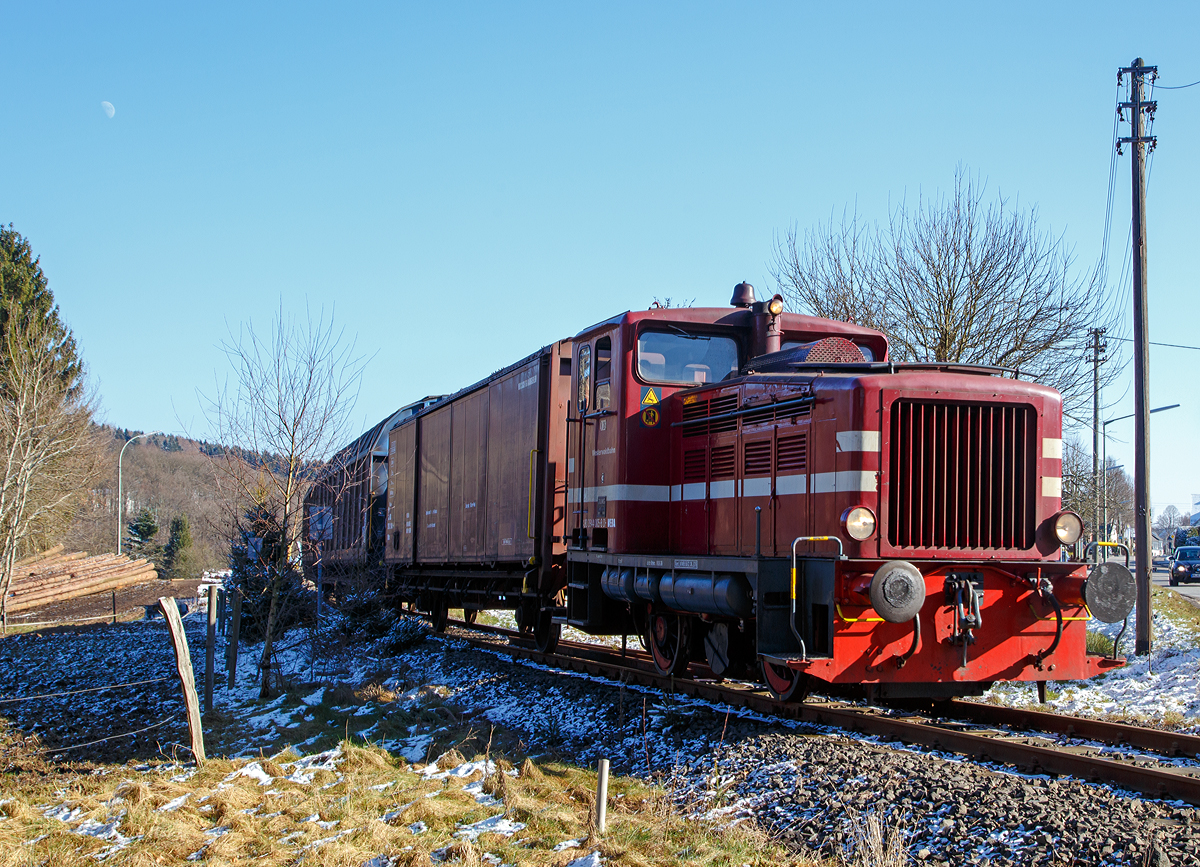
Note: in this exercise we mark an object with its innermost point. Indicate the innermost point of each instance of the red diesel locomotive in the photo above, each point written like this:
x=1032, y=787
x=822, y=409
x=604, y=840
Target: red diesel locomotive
x=760, y=491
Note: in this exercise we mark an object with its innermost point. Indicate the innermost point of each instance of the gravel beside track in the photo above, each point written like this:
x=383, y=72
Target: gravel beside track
x=808, y=784
x=813, y=785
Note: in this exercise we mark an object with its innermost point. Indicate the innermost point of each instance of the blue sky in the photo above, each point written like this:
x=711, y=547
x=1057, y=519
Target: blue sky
x=465, y=182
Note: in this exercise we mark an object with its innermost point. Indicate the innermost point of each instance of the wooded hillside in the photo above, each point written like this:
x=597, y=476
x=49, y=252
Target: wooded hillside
x=171, y=476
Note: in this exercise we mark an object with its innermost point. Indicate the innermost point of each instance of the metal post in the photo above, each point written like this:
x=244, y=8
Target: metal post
x=120, y=494
x=601, y=795
x=235, y=629
x=114, y=601
x=1096, y=332
x=1138, y=107
x=210, y=647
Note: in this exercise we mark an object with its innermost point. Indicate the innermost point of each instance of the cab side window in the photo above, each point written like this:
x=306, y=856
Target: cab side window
x=603, y=372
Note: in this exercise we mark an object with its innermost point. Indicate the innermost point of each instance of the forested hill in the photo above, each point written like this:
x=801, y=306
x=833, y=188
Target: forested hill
x=168, y=474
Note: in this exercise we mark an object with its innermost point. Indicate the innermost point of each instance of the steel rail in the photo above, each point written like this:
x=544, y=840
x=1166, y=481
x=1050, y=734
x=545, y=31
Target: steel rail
x=998, y=747
x=1168, y=743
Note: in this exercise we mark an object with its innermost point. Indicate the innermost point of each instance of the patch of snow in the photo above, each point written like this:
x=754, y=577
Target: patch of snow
x=1147, y=687
x=172, y=806
x=315, y=699
x=432, y=771
x=304, y=770
x=315, y=843
x=254, y=771
x=64, y=813
x=498, y=824
x=568, y=844
x=418, y=828
x=414, y=749
x=592, y=859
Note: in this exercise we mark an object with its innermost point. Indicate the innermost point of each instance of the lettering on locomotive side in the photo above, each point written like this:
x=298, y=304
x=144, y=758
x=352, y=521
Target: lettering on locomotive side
x=598, y=452
x=687, y=564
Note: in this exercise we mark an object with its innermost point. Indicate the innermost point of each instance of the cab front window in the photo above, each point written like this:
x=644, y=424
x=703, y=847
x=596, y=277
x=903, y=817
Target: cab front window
x=685, y=359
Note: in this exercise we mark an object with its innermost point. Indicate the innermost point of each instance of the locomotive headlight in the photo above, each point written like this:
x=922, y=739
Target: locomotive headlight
x=775, y=306
x=1068, y=527
x=859, y=523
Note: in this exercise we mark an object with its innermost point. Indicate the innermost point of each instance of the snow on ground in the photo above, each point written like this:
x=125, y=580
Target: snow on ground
x=1161, y=687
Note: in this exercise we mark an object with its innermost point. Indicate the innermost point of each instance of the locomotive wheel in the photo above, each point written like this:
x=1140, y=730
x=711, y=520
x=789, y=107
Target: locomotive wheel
x=439, y=615
x=470, y=615
x=546, y=633
x=786, y=684
x=670, y=640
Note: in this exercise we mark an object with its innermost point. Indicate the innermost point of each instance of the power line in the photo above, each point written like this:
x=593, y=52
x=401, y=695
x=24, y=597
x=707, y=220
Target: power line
x=1178, y=86
x=1152, y=343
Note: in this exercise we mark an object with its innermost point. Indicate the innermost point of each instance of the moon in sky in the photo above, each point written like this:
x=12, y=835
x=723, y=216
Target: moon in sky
x=108, y=108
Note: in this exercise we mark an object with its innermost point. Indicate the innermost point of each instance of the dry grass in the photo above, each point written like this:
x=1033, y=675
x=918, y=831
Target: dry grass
x=370, y=806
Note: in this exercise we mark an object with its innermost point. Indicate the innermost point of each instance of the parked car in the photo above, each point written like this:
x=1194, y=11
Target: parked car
x=1185, y=565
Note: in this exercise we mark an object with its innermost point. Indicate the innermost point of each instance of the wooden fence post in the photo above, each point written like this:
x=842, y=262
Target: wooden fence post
x=222, y=604
x=183, y=665
x=210, y=647
x=235, y=629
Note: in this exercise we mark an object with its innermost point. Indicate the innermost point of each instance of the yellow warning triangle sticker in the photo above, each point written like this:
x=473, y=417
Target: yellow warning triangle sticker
x=649, y=398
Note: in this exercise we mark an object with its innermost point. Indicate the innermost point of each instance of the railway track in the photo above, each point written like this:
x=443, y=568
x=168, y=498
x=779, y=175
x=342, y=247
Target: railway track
x=1149, y=761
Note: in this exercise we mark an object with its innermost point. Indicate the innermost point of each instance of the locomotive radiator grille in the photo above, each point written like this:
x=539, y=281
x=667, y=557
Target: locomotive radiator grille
x=962, y=475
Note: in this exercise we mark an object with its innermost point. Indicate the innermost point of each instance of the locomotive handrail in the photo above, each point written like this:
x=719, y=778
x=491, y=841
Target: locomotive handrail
x=783, y=403
x=1087, y=552
x=837, y=607
x=792, y=619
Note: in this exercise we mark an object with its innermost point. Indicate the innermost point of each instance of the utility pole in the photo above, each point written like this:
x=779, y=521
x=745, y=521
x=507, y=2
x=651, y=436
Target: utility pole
x=1097, y=348
x=1138, y=108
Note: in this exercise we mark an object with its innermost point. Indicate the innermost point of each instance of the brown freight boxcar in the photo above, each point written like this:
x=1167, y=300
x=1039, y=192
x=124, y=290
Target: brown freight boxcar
x=473, y=519
x=344, y=507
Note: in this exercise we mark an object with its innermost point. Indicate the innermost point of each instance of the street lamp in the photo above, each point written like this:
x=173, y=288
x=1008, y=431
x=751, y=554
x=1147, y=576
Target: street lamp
x=1104, y=463
x=120, y=495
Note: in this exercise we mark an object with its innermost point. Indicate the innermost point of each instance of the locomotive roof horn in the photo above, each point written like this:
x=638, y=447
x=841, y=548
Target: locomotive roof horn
x=743, y=295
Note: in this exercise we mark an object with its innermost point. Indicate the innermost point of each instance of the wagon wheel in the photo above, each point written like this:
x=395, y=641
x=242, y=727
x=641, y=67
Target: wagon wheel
x=669, y=639
x=546, y=632
x=438, y=615
x=786, y=684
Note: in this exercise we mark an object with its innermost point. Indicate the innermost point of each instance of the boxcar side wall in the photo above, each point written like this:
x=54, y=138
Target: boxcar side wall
x=476, y=480
x=402, y=455
x=433, y=485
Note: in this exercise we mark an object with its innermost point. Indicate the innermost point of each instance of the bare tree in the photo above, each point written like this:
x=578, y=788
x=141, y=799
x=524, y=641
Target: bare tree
x=283, y=411
x=1078, y=484
x=1169, y=519
x=956, y=279
x=48, y=449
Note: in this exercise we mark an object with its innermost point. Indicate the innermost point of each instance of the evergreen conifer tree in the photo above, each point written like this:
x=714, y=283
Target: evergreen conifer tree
x=142, y=530
x=25, y=291
x=179, y=560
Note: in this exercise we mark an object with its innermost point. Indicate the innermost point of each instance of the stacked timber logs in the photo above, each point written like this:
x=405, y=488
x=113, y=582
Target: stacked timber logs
x=53, y=576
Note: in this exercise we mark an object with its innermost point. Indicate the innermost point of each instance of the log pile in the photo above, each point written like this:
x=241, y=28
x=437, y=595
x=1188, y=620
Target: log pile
x=53, y=576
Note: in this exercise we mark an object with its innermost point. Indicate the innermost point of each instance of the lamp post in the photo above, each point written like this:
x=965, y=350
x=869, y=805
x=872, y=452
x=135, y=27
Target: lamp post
x=120, y=494
x=1104, y=462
